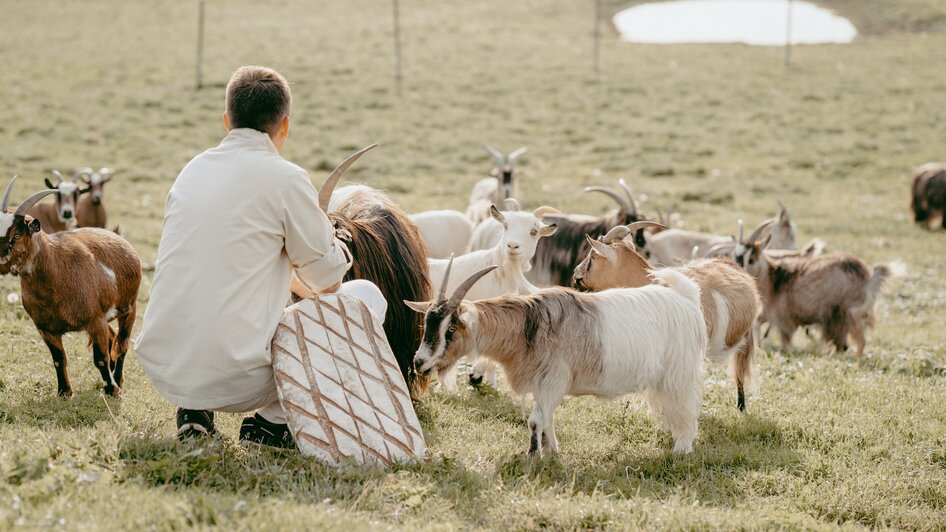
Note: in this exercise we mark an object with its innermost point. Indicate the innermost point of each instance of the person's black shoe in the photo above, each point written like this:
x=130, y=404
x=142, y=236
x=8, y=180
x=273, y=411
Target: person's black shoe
x=194, y=423
x=257, y=429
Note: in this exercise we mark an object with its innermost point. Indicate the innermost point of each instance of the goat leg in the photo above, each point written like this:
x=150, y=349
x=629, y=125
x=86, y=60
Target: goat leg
x=126, y=321
x=101, y=335
x=54, y=343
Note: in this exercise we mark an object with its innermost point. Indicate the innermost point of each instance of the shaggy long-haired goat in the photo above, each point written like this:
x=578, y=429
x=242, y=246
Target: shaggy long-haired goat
x=728, y=296
x=386, y=249
x=835, y=291
x=73, y=281
x=90, y=208
x=61, y=214
x=929, y=194
x=557, y=256
x=494, y=190
x=559, y=342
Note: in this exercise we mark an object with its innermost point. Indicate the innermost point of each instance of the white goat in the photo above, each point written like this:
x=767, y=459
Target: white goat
x=650, y=339
x=493, y=190
x=445, y=232
x=521, y=232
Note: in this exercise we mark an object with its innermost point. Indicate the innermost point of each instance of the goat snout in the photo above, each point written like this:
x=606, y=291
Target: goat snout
x=422, y=365
x=67, y=214
x=96, y=200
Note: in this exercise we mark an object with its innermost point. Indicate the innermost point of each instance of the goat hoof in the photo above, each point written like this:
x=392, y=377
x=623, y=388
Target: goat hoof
x=112, y=391
x=476, y=381
x=65, y=394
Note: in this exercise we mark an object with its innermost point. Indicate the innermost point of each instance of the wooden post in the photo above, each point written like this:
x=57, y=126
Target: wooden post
x=597, y=36
x=200, y=45
x=788, y=35
x=398, y=78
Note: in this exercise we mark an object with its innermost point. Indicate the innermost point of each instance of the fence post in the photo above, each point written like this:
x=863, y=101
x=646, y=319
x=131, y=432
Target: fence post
x=200, y=45
x=398, y=78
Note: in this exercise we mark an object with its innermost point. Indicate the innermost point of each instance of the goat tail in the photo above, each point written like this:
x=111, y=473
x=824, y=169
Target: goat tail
x=679, y=283
x=883, y=277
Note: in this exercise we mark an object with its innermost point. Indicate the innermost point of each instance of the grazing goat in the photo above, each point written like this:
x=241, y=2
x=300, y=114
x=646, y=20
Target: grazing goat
x=386, y=249
x=675, y=246
x=728, y=296
x=444, y=232
x=521, y=231
x=558, y=341
x=835, y=292
x=929, y=194
x=556, y=257
x=61, y=214
x=90, y=209
x=493, y=190
x=73, y=281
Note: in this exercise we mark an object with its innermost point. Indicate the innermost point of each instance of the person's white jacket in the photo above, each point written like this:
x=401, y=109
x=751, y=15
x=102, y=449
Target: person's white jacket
x=238, y=219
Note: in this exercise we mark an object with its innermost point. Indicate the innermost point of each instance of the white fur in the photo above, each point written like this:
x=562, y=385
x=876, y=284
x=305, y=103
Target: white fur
x=484, y=194
x=512, y=253
x=445, y=232
x=6, y=221
x=108, y=273
x=673, y=246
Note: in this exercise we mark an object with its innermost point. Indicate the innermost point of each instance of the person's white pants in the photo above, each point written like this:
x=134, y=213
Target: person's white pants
x=268, y=405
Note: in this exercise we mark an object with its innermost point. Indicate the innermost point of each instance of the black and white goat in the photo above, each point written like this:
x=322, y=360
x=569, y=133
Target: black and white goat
x=61, y=214
x=560, y=342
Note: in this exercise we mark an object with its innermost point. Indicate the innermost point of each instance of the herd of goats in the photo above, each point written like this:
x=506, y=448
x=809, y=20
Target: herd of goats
x=564, y=304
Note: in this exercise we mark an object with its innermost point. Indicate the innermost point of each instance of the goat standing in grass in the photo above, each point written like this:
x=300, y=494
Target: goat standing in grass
x=728, y=296
x=929, y=194
x=521, y=232
x=61, y=214
x=494, y=190
x=835, y=292
x=73, y=281
x=559, y=342
x=90, y=208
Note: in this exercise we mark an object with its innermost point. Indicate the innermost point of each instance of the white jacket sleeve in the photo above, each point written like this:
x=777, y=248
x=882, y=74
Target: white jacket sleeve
x=319, y=259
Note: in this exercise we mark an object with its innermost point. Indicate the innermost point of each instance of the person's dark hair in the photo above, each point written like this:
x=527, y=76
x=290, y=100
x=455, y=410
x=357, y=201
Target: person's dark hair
x=257, y=98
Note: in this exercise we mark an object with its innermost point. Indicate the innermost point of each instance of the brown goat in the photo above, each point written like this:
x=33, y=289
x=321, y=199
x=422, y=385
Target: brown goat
x=90, y=209
x=73, y=281
x=929, y=194
x=728, y=295
x=61, y=214
x=836, y=292
x=386, y=249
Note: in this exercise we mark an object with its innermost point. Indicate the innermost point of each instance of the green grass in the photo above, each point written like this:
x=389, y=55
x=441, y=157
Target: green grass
x=721, y=131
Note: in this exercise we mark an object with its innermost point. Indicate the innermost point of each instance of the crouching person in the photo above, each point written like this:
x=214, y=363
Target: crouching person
x=239, y=220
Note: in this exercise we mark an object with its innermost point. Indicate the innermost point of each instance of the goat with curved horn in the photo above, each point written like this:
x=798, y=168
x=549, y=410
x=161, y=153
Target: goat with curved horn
x=630, y=197
x=461, y=290
x=325, y=193
x=494, y=154
x=759, y=231
x=32, y=200
x=613, y=195
x=6, y=195
x=514, y=156
x=442, y=296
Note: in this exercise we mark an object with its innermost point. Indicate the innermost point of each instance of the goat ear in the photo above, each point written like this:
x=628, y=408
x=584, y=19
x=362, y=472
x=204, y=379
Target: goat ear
x=34, y=226
x=494, y=212
x=465, y=315
x=49, y=184
x=548, y=230
x=420, y=307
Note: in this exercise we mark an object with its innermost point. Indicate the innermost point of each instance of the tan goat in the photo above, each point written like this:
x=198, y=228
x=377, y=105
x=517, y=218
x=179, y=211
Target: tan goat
x=728, y=295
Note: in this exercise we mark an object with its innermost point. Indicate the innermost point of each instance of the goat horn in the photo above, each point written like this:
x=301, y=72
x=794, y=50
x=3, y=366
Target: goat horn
x=461, y=290
x=759, y=231
x=442, y=296
x=616, y=233
x=514, y=156
x=728, y=246
x=58, y=176
x=545, y=210
x=6, y=196
x=611, y=194
x=32, y=200
x=660, y=215
x=497, y=157
x=325, y=193
x=511, y=204
x=742, y=230
x=643, y=224
x=630, y=197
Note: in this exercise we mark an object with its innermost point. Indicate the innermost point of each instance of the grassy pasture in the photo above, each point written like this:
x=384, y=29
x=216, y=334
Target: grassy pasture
x=721, y=132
